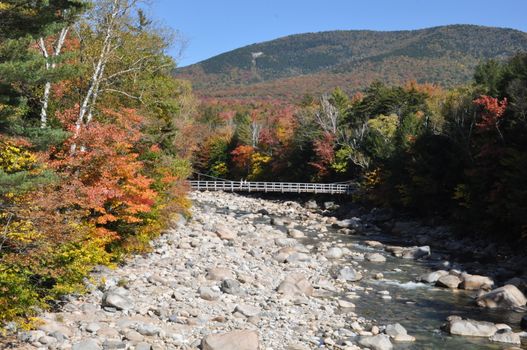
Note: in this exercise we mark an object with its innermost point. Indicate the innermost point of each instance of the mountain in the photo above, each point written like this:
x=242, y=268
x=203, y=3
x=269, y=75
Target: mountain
x=314, y=63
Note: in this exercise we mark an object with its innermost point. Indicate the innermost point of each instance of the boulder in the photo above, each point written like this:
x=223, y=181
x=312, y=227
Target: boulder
x=311, y=204
x=208, y=293
x=235, y=340
x=448, y=281
x=377, y=342
x=295, y=284
x=432, y=277
x=285, y=242
x=117, y=298
x=294, y=233
x=334, y=253
x=282, y=254
x=374, y=244
x=247, y=310
x=224, y=232
x=143, y=346
x=475, y=282
x=507, y=296
x=230, y=286
x=88, y=344
x=416, y=252
x=219, y=274
x=506, y=336
x=471, y=328
x=349, y=274
x=148, y=329
x=398, y=333
x=375, y=257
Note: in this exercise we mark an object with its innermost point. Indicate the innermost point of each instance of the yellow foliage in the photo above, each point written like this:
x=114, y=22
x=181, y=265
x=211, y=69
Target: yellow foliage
x=385, y=125
x=14, y=158
x=372, y=178
x=21, y=231
x=258, y=163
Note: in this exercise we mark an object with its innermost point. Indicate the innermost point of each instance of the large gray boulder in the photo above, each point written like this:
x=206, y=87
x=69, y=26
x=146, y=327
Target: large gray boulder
x=117, y=298
x=334, y=253
x=398, y=333
x=235, y=340
x=507, y=296
x=378, y=342
x=471, y=328
x=432, y=277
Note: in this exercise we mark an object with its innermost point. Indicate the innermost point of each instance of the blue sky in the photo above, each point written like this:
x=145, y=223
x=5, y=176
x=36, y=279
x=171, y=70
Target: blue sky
x=215, y=26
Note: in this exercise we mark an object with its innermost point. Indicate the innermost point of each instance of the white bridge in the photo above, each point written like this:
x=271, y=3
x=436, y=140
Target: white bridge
x=282, y=187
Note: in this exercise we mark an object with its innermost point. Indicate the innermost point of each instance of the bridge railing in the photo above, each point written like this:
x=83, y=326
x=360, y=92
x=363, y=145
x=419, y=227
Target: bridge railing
x=284, y=187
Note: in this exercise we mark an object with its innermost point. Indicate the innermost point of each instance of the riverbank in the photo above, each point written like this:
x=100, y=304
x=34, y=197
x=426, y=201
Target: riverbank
x=248, y=273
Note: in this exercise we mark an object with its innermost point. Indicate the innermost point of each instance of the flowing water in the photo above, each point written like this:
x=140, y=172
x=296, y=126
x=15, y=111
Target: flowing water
x=420, y=308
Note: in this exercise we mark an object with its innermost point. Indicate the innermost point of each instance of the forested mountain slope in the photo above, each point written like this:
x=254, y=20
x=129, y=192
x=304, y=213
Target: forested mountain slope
x=313, y=63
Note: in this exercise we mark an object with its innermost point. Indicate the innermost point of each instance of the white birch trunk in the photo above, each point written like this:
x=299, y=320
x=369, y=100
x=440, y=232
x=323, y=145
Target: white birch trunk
x=47, y=87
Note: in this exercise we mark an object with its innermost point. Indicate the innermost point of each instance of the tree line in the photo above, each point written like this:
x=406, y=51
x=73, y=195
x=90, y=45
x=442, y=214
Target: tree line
x=458, y=153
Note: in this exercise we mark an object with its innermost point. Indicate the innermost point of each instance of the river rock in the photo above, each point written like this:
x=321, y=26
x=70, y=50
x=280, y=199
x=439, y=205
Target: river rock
x=247, y=310
x=345, y=304
x=475, y=282
x=235, y=340
x=311, y=204
x=349, y=274
x=432, y=277
x=219, y=274
x=507, y=296
x=51, y=327
x=416, y=252
x=285, y=242
x=208, y=293
x=295, y=284
x=375, y=257
x=374, y=244
x=111, y=344
x=148, y=329
x=471, y=328
x=230, y=286
x=282, y=254
x=31, y=336
x=294, y=233
x=117, y=298
x=398, y=333
x=377, y=342
x=143, y=346
x=334, y=253
x=88, y=344
x=225, y=233
x=448, y=281
x=506, y=336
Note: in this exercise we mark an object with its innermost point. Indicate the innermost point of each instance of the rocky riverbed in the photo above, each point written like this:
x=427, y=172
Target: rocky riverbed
x=246, y=274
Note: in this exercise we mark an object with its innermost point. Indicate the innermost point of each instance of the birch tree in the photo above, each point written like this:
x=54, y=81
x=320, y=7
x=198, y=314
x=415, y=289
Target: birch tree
x=50, y=65
x=122, y=51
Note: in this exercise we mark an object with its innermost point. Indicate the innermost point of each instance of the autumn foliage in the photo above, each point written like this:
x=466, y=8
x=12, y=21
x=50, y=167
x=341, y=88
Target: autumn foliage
x=85, y=185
